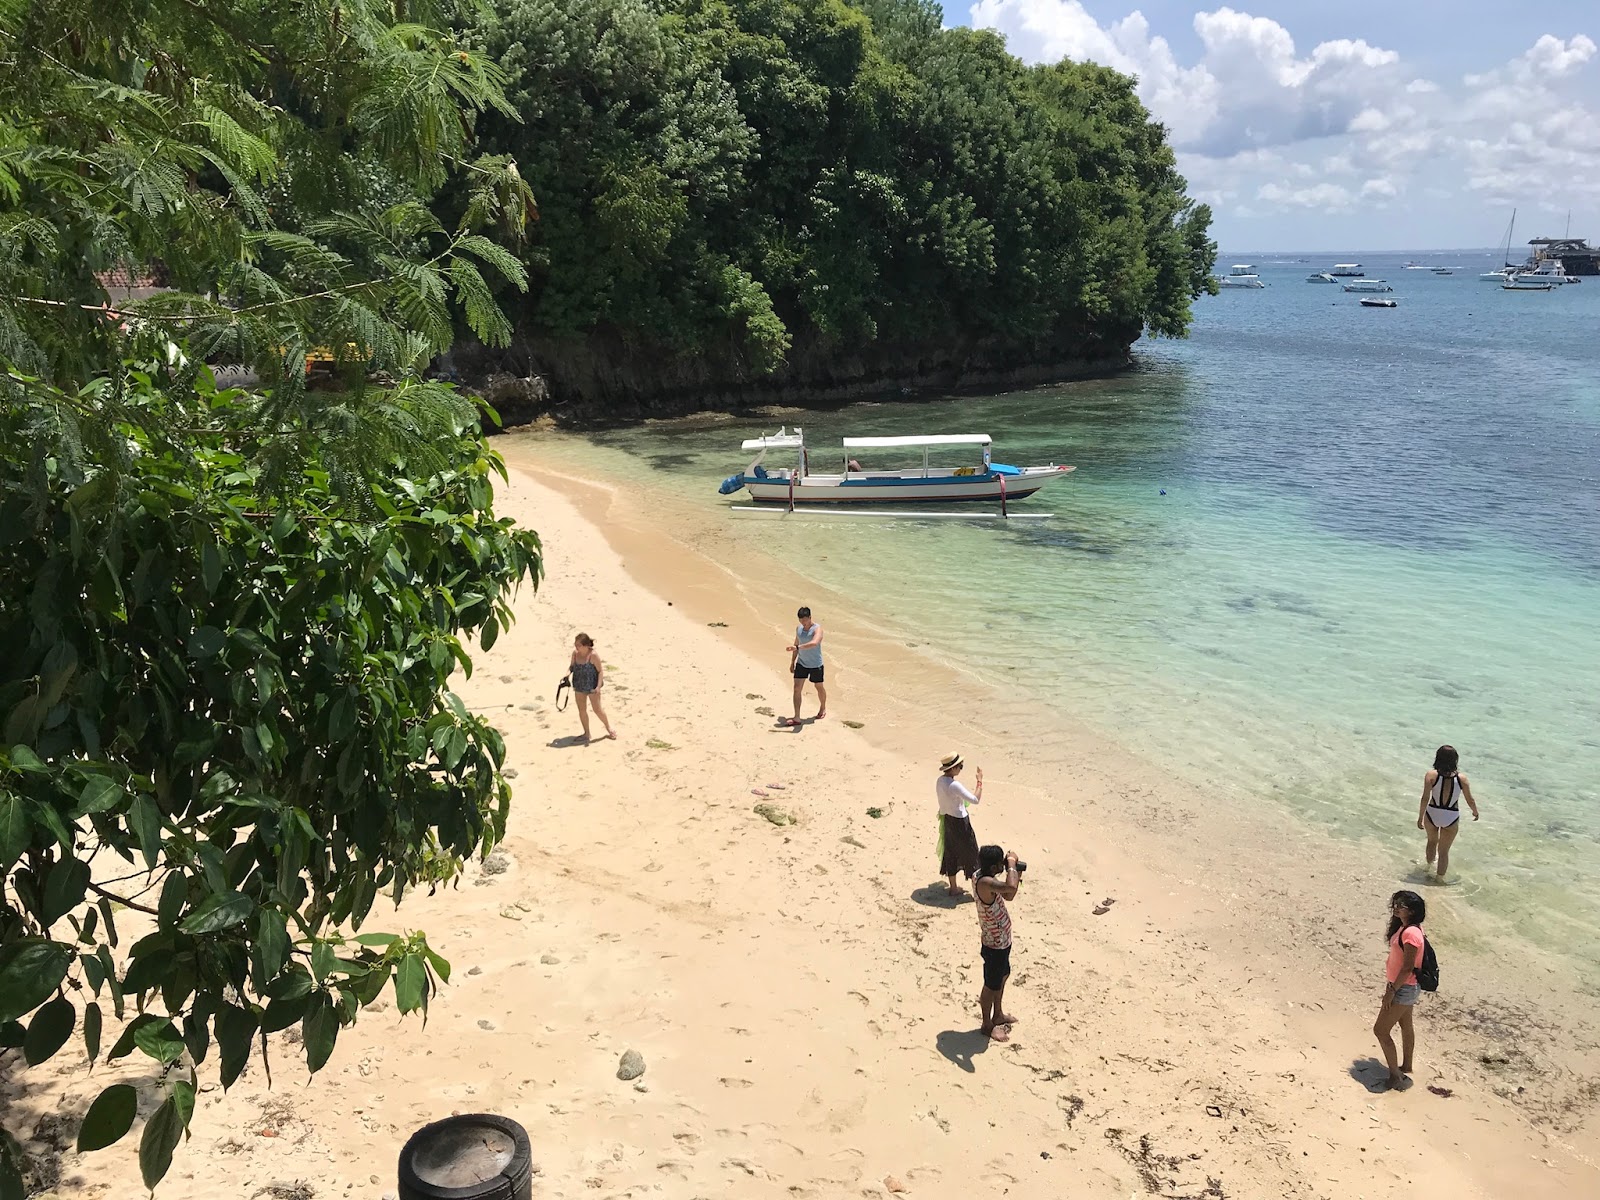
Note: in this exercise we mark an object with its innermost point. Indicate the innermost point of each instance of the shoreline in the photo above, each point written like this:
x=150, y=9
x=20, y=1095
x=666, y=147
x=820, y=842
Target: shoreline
x=804, y=997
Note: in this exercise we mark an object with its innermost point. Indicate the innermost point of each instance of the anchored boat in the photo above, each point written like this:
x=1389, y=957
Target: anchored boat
x=852, y=483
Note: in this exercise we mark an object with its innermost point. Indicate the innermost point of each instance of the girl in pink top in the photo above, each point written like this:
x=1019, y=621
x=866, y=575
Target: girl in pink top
x=1407, y=911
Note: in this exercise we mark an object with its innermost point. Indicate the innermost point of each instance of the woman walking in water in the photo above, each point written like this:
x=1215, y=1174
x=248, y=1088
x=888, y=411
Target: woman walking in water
x=1443, y=789
x=1406, y=914
x=958, y=845
x=588, y=677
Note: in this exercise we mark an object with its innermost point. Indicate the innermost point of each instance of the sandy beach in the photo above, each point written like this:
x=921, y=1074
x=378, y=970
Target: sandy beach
x=803, y=994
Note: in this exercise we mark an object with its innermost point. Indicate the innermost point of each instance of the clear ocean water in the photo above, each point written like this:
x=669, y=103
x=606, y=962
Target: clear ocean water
x=1301, y=549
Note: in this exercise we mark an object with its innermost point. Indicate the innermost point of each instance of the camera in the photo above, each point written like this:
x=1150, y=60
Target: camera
x=1021, y=866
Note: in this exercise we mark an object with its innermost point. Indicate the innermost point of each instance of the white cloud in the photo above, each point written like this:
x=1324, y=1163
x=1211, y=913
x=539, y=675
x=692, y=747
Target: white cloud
x=1368, y=120
x=1262, y=125
x=1329, y=197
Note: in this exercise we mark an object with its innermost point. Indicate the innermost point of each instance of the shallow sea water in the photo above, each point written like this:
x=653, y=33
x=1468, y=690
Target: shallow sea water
x=1300, y=550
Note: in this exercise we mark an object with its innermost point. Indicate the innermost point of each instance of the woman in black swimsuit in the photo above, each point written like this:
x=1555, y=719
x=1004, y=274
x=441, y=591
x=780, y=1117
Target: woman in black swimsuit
x=588, y=677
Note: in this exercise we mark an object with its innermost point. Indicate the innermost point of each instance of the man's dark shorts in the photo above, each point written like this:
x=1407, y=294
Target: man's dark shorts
x=812, y=673
x=996, y=967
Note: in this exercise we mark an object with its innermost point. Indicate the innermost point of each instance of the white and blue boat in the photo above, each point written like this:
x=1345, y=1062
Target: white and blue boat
x=852, y=483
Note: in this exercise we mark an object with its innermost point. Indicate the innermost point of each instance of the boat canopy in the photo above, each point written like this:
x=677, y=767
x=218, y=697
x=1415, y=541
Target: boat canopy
x=782, y=440
x=939, y=439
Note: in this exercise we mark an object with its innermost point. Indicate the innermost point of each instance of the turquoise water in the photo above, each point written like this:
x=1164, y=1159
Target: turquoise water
x=1300, y=550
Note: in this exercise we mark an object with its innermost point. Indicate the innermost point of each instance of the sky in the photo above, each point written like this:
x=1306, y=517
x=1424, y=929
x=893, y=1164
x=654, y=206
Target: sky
x=1353, y=124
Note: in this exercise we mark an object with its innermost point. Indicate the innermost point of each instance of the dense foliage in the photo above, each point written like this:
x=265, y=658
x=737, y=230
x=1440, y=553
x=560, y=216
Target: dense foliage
x=230, y=618
x=741, y=175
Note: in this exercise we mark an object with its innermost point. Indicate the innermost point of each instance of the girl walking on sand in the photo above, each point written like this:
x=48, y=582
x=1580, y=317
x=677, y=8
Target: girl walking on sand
x=1443, y=789
x=588, y=677
x=1406, y=914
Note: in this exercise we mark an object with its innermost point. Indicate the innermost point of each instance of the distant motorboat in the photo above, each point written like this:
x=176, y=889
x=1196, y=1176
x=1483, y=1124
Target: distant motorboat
x=1320, y=277
x=1241, y=275
x=1516, y=281
x=1551, y=269
x=1442, y=270
x=1374, y=302
x=1416, y=266
x=1351, y=270
x=1367, y=285
x=1499, y=276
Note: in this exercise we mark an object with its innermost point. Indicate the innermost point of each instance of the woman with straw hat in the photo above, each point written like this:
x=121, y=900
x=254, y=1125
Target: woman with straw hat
x=958, y=845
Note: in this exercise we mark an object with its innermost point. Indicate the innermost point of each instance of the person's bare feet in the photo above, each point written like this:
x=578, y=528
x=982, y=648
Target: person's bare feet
x=821, y=712
x=611, y=735
x=955, y=891
x=1398, y=1083
x=1405, y=1068
x=998, y=1033
x=1005, y=1019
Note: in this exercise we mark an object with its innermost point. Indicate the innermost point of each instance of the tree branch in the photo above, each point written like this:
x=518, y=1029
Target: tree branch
x=126, y=903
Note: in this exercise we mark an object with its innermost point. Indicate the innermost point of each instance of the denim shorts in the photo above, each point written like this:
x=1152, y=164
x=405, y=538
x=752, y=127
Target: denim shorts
x=1406, y=994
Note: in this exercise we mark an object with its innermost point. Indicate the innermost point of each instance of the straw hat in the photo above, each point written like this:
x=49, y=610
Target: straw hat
x=949, y=762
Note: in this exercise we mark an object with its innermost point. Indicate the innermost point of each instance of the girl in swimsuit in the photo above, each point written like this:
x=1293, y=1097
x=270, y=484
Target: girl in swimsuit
x=588, y=677
x=1443, y=789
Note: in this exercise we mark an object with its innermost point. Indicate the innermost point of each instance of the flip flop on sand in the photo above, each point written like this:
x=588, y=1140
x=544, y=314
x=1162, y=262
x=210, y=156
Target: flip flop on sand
x=1104, y=906
x=757, y=792
x=779, y=786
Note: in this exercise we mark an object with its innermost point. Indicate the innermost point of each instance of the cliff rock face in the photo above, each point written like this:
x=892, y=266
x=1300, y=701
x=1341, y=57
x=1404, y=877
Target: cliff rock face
x=607, y=378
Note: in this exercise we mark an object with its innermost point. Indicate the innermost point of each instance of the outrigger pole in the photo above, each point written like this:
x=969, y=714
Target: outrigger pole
x=870, y=512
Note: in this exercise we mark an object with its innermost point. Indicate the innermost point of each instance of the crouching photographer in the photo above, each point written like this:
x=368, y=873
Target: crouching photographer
x=999, y=876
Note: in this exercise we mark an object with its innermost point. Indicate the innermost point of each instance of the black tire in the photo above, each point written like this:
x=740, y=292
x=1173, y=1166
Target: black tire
x=514, y=1182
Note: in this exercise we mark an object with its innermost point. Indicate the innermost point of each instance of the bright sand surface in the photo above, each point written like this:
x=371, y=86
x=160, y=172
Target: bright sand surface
x=804, y=996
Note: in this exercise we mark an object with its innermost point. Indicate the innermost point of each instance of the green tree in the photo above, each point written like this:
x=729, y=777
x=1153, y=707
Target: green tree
x=232, y=618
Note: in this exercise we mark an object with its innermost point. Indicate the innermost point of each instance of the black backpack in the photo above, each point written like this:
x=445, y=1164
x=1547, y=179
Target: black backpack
x=1428, y=968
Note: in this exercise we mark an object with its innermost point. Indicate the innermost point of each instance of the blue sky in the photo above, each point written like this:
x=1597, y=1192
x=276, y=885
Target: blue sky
x=1353, y=124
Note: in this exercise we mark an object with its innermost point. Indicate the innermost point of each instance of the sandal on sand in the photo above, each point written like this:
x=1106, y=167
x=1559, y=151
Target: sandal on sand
x=779, y=786
x=757, y=792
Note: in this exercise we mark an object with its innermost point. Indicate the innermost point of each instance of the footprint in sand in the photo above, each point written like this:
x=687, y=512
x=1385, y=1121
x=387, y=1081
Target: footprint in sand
x=688, y=1142
x=726, y=1081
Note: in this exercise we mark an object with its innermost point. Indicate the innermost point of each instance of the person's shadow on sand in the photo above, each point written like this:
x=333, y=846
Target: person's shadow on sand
x=960, y=1047
x=1372, y=1074
x=937, y=895
x=572, y=739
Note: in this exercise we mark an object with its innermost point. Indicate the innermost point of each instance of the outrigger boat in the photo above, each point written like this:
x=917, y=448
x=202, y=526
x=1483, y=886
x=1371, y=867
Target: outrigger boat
x=851, y=484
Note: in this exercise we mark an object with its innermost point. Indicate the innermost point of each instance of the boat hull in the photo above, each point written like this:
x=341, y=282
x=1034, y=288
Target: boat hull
x=940, y=489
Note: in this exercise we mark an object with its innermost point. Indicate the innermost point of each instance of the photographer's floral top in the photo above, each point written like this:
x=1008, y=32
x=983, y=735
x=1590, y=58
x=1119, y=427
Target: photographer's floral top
x=995, y=922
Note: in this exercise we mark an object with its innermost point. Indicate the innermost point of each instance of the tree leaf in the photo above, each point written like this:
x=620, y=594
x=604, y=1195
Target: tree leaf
x=49, y=1030
x=16, y=831
x=159, y=1039
x=12, y=1035
x=99, y=795
x=174, y=892
x=377, y=939
x=206, y=642
x=159, y=1140
x=183, y=1101
x=145, y=819
x=410, y=984
x=439, y=965
x=30, y=969
x=109, y=1117
x=92, y=1021
x=218, y=912
x=272, y=944
x=210, y=566
x=64, y=889
x=319, y=1031
x=124, y=1045
x=235, y=1028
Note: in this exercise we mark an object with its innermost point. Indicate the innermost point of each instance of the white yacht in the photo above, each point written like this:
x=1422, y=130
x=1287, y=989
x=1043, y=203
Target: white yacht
x=1367, y=285
x=1350, y=270
x=1320, y=277
x=1241, y=275
x=1550, y=269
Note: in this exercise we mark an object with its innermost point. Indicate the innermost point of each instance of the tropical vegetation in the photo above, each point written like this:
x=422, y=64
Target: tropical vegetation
x=231, y=617
x=763, y=183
